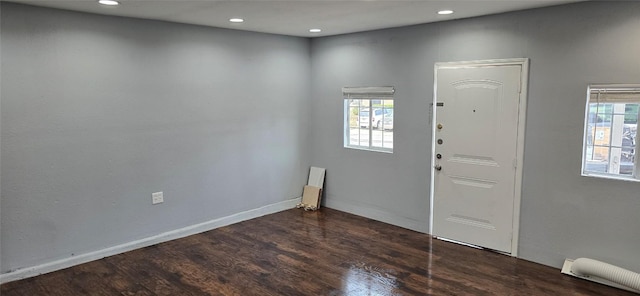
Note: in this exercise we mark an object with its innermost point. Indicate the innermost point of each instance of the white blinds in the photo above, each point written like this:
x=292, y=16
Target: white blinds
x=609, y=94
x=368, y=91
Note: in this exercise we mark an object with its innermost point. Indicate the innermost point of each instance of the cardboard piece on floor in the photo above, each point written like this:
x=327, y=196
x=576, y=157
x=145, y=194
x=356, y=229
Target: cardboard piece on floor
x=311, y=197
x=312, y=192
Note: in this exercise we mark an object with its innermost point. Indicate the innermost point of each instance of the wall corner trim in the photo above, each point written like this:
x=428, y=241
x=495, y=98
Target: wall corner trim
x=32, y=271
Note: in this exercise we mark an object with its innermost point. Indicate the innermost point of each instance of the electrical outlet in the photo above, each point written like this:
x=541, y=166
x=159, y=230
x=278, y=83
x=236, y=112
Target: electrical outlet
x=157, y=198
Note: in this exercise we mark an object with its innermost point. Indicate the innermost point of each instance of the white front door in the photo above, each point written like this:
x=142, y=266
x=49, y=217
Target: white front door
x=479, y=113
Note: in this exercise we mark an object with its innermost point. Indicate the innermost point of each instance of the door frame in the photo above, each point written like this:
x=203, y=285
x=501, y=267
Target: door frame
x=522, y=111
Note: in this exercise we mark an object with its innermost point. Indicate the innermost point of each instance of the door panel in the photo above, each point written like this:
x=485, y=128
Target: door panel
x=474, y=190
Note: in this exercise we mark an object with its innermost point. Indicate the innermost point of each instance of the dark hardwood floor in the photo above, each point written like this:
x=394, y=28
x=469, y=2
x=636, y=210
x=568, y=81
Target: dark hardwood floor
x=308, y=253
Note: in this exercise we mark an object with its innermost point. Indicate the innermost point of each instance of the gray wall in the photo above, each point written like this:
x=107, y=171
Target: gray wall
x=99, y=112
x=563, y=214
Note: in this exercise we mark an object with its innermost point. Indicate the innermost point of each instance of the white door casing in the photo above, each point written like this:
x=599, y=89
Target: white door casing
x=479, y=115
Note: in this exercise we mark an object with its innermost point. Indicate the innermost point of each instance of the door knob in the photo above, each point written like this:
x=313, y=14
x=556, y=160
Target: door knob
x=438, y=167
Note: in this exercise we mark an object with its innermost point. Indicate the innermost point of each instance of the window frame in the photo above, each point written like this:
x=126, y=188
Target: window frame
x=615, y=89
x=382, y=93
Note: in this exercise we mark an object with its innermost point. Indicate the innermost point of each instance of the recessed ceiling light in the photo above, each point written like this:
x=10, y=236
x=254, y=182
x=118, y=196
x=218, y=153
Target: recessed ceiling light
x=315, y=30
x=446, y=11
x=236, y=20
x=108, y=2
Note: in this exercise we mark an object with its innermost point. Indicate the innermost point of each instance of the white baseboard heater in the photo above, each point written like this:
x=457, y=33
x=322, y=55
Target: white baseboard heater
x=603, y=273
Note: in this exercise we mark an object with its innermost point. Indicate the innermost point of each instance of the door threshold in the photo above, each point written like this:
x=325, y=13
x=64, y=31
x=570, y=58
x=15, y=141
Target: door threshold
x=472, y=246
x=459, y=242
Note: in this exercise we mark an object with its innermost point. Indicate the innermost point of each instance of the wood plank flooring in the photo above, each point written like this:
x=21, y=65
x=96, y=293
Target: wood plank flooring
x=307, y=253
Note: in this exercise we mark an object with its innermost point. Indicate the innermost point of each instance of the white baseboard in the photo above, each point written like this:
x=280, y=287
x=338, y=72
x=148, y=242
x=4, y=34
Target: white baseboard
x=27, y=272
x=379, y=215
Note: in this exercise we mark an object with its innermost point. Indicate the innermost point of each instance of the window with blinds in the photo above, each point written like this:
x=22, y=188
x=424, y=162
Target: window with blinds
x=611, y=126
x=368, y=118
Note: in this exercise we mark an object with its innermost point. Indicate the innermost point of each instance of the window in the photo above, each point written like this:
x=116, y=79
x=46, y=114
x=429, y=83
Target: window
x=368, y=120
x=611, y=126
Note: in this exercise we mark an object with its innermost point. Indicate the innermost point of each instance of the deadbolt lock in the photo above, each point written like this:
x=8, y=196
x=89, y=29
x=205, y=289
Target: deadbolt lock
x=439, y=126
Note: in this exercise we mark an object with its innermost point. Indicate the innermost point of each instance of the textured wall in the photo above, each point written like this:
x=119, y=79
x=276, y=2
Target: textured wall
x=99, y=112
x=563, y=214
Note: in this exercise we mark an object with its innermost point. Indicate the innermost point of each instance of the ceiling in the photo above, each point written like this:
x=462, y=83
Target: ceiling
x=296, y=17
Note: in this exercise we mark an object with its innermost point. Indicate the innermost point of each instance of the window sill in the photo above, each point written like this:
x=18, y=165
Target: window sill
x=612, y=177
x=383, y=150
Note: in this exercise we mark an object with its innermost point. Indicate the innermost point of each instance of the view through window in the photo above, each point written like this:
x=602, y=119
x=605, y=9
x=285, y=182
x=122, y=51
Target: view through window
x=369, y=118
x=610, y=131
